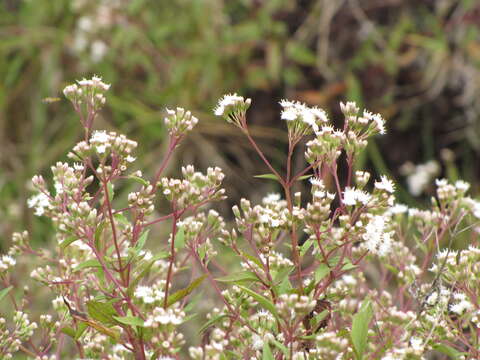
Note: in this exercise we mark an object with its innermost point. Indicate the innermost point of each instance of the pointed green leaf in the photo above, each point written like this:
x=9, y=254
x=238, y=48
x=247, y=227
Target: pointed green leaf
x=448, y=350
x=103, y=312
x=359, y=332
x=88, y=264
x=267, y=176
x=69, y=331
x=211, y=322
x=139, y=180
x=180, y=238
x=68, y=241
x=129, y=320
x=180, y=294
x=5, y=291
x=262, y=300
x=305, y=177
x=238, y=277
x=321, y=271
x=267, y=352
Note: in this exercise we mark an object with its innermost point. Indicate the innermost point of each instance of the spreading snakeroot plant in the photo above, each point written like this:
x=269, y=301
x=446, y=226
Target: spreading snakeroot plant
x=339, y=272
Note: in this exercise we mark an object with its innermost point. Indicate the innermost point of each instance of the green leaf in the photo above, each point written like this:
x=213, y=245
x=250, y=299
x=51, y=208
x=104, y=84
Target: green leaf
x=321, y=271
x=81, y=327
x=180, y=294
x=267, y=176
x=88, y=264
x=282, y=274
x=103, y=312
x=348, y=266
x=282, y=347
x=111, y=192
x=306, y=245
x=180, y=238
x=359, y=332
x=69, y=331
x=211, y=322
x=68, y=241
x=129, y=320
x=121, y=219
x=139, y=180
x=304, y=177
x=448, y=350
x=238, y=277
x=267, y=352
x=262, y=300
x=141, y=241
x=5, y=291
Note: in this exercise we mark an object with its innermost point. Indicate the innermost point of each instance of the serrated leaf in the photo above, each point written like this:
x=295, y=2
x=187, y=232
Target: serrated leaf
x=5, y=291
x=88, y=264
x=103, y=312
x=262, y=300
x=359, y=333
x=238, y=277
x=68, y=241
x=267, y=352
x=267, y=176
x=180, y=294
x=129, y=320
x=139, y=180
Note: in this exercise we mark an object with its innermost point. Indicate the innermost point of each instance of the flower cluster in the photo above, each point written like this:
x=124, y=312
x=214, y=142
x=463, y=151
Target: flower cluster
x=179, y=121
x=195, y=189
x=233, y=109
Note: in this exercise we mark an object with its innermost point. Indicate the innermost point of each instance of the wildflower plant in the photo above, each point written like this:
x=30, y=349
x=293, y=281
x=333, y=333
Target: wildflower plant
x=339, y=272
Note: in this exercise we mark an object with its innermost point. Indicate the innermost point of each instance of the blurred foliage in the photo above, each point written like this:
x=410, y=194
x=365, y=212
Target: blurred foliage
x=416, y=62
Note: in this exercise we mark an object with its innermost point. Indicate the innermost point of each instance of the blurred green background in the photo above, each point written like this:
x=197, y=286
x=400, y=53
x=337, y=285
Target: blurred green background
x=415, y=62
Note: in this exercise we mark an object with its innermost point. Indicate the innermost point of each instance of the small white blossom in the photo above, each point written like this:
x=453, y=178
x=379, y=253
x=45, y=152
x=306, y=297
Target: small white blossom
x=40, y=202
x=385, y=184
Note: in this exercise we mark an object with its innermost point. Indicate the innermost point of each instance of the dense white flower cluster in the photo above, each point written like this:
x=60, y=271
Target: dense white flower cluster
x=233, y=108
x=378, y=238
x=160, y=317
x=352, y=197
x=301, y=119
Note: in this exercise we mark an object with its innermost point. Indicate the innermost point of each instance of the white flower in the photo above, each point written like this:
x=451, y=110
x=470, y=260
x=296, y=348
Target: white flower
x=376, y=237
x=462, y=185
x=40, y=202
x=377, y=119
x=271, y=198
x=398, y=209
x=385, y=184
x=228, y=103
x=296, y=111
x=351, y=196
